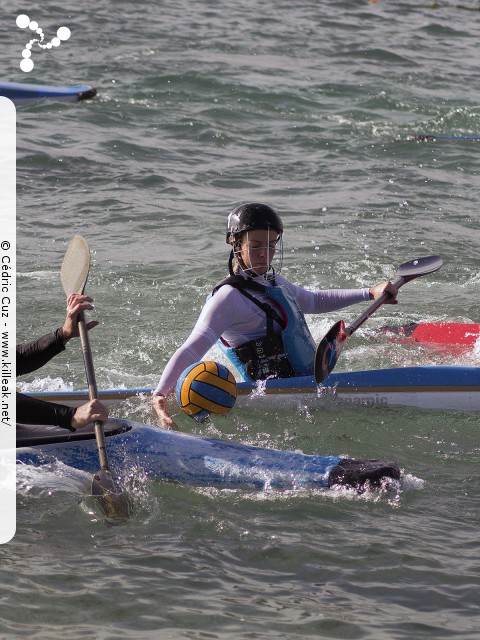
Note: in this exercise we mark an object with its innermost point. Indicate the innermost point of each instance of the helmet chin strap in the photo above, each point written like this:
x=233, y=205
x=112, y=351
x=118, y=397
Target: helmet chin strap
x=269, y=275
x=230, y=263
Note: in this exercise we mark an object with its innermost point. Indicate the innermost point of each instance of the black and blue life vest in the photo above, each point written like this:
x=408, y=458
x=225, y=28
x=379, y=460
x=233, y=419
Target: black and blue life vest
x=285, y=354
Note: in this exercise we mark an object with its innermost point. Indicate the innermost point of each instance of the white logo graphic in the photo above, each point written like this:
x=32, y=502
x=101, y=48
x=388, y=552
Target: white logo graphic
x=24, y=22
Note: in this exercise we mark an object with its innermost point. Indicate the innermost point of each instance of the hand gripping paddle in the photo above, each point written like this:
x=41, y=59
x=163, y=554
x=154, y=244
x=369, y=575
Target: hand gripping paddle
x=328, y=351
x=74, y=274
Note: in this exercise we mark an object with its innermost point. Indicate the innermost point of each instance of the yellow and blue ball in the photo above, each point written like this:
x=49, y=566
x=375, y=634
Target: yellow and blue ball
x=204, y=388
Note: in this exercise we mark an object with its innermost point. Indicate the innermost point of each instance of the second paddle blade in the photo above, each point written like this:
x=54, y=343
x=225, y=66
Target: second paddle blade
x=113, y=503
x=419, y=267
x=328, y=351
x=75, y=266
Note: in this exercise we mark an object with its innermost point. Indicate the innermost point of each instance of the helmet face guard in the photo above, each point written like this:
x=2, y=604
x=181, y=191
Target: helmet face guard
x=253, y=216
x=255, y=259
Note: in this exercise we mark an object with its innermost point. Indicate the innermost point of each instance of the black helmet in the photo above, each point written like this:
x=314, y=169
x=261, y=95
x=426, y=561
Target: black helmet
x=250, y=216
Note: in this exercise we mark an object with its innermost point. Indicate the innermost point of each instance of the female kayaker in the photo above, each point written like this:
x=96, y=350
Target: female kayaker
x=33, y=355
x=257, y=315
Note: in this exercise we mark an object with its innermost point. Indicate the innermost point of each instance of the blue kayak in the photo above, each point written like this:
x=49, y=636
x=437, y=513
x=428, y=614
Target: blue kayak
x=20, y=93
x=193, y=460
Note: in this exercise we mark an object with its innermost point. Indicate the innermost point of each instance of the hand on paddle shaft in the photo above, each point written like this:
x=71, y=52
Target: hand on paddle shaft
x=76, y=303
x=74, y=275
x=94, y=410
x=386, y=287
x=330, y=347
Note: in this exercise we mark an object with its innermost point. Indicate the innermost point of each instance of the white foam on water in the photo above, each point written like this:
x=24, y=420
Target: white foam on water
x=51, y=478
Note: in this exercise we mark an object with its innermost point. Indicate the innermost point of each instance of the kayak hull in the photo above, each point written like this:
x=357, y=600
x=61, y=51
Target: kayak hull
x=175, y=456
x=443, y=387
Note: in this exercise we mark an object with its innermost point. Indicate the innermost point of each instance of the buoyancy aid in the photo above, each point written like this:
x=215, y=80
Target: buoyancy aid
x=284, y=354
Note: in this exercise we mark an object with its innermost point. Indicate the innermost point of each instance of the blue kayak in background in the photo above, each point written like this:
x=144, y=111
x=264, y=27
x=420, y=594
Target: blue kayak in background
x=20, y=93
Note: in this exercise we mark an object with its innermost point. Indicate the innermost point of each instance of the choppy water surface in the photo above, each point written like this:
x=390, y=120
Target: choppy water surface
x=309, y=107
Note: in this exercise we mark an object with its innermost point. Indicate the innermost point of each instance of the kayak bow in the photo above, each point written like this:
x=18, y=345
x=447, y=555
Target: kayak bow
x=20, y=93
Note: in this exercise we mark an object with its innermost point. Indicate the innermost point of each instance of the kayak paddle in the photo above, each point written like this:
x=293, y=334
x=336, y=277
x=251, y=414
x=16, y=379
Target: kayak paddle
x=328, y=351
x=74, y=274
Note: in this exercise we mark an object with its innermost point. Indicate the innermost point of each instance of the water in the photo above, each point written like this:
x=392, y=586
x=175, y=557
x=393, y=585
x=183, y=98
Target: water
x=309, y=107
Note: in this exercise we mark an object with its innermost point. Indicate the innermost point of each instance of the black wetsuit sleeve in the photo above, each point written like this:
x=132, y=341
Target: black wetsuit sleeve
x=33, y=355
x=30, y=357
x=34, y=411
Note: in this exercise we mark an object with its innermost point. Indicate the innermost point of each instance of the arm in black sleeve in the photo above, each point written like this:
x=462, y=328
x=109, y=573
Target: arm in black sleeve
x=33, y=411
x=33, y=355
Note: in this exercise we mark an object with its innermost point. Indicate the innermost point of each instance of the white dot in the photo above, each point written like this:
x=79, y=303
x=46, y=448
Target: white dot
x=49, y=45
x=23, y=21
x=26, y=65
x=39, y=31
x=56, y=42
x=28, y=46
x=33, y=25
x=64, y=33
x=26, y=53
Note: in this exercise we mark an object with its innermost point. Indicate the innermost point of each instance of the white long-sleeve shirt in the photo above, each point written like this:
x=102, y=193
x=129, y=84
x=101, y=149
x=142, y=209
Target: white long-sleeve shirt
x=237, y=320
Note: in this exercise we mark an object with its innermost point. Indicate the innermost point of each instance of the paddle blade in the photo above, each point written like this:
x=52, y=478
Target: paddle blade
x=419, y=267
x=113, y=503
x=329, y=350
x=75, y=266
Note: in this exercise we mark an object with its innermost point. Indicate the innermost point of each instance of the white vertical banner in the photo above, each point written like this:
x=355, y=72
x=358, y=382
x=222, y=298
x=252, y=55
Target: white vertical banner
x=7, y=319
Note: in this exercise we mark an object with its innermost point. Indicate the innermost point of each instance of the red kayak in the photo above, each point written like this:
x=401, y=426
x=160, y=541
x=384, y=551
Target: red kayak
x=452, y=336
